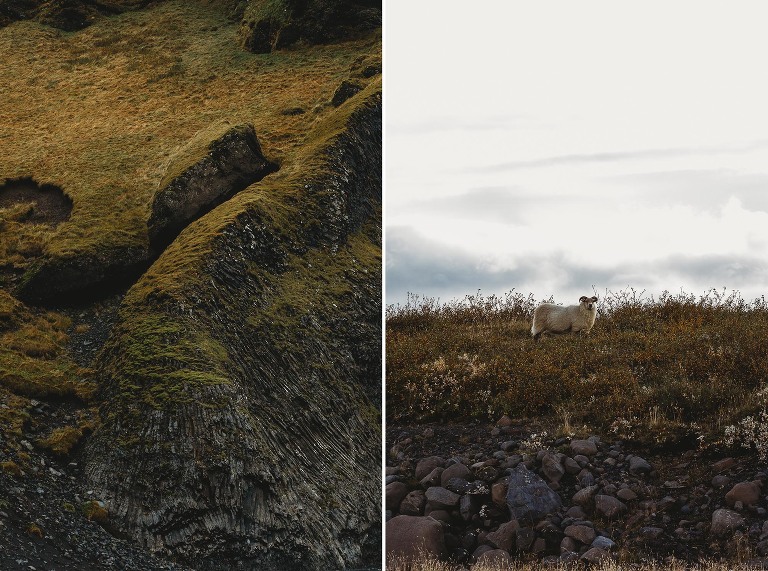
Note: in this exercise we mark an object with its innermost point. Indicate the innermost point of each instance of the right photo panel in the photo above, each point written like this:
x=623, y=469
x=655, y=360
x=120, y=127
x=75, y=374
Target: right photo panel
x=576, y=233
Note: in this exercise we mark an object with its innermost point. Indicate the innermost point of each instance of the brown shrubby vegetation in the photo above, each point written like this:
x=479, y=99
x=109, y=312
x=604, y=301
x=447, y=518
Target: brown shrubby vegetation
x=682, y=364
x=427, y=563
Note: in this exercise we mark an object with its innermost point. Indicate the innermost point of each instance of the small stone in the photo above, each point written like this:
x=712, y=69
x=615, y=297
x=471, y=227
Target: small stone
x=394, y=494
x=431, y=479
x=582, y=533
x=571, y=466
x=583, y=447
x=626, y=495
x=552, y=468
x=584, y=496
x=505, y=537
x=454, y=471
x=568, y=544
x=426, y=465
x=602, y=542
x=539, y=545
x=725, y=522
x=720, y=481
x=499, y=493
x=441, y=498
x=585, y=477
x=609, y=506
x=638, y=465
x=748, y=493
x=723, y=465
x=413, y=503
x=510, y=445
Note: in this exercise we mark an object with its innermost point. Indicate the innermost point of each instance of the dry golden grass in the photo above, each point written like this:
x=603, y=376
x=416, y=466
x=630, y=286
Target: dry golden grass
x=100, y=112
x=431, y=564
x=670, y=370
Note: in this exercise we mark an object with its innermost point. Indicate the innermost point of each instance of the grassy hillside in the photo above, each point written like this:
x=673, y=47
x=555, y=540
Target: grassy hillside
x=275, y=291
x=102, y=112
x=659, y=370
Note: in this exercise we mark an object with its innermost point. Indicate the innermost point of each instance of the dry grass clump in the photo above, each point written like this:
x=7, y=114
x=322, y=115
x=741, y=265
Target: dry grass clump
x=33, y=356
x=680, y=364
x=94, y=510
x=429, y=563
x=62, y=440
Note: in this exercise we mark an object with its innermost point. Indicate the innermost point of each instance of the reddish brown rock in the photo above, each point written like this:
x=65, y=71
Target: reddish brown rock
x=408, y=536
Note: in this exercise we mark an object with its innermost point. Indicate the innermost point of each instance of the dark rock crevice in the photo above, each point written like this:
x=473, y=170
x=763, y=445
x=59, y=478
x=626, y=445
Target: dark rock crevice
x=269, y=26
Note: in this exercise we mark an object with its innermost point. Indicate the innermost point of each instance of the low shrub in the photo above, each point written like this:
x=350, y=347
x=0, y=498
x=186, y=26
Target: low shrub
x=679, y=360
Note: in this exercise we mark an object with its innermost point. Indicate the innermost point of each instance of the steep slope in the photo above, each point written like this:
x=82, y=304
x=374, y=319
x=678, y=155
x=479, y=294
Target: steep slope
x=235, y=421
x=193, y=344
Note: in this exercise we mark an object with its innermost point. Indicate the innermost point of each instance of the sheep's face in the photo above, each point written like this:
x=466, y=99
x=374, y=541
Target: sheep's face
x=588, y=302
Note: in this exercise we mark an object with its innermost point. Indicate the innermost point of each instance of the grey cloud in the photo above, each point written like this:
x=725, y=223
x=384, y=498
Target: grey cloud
x=703, y=188
x=503, y=204
x=608, y=157
x=424, y=267
x=419, y=266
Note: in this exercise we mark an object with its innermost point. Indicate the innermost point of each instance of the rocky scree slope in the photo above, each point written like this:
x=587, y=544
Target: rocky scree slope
x=474, y=492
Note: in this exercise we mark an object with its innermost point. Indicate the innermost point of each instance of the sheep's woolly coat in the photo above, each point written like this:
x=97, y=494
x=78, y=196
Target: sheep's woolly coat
x=556, y=319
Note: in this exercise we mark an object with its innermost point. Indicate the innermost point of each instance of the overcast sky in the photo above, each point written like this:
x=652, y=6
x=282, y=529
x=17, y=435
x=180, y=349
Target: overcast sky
x=551, y=147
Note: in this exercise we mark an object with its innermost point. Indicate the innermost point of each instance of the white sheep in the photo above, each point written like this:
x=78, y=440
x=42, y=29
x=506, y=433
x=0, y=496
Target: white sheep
x=556, y=319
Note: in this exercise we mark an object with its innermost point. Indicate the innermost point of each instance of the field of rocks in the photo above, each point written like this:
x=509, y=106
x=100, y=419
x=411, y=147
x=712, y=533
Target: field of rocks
x=580, y=479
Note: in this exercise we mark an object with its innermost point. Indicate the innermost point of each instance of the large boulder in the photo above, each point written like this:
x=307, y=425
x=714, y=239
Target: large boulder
x=529, y=497
x=409, y=537
x=211, y=168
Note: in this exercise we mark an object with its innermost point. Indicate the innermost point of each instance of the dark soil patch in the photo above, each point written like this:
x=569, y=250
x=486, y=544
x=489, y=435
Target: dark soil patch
x=49, y=203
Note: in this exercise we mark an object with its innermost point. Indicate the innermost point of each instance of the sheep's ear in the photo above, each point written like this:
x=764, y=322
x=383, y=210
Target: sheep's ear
x=594, y=298
x=583, y=298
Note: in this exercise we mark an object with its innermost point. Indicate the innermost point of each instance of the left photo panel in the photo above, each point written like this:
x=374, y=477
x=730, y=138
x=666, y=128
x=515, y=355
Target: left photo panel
x=191, y=285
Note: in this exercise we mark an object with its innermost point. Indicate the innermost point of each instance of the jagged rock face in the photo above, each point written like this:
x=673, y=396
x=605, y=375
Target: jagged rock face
x=238, y=429
x=69, y=15
x=229, y=164
x=267, y=26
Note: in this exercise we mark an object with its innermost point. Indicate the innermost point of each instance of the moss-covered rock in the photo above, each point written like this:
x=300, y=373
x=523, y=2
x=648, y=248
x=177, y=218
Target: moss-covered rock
x=268, y=25
x=203, y=175
x=240, y=419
